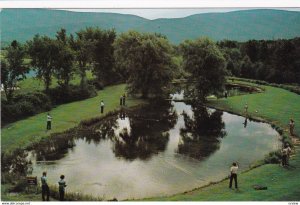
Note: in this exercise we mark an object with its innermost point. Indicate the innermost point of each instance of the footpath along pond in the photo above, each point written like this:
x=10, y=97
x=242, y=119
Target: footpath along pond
x=159, y=149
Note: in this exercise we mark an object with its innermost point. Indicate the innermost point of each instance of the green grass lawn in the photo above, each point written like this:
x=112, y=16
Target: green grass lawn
x=23, y=132
x=277, y=106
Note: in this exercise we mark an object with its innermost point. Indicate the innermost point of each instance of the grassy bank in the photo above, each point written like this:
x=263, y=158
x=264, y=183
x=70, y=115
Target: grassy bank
x=276, y=106
x=23, y=132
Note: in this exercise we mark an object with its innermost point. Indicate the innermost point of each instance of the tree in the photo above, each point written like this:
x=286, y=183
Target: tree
x=206, y=65
x=101, y=47
x=82, y=47
x=251, y=49
x=13, y=68
x=63, y=63
x=43, y=52
x=233, y=58
x=146, y=60
x=247, y=68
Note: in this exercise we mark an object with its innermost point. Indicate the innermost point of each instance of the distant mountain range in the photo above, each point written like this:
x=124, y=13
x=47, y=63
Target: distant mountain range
x=23, y=24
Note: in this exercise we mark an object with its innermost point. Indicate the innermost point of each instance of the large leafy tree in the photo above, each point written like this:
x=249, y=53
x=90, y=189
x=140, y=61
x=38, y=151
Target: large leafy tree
x=146, y=61
x=99, y=46
x=205, y=63
x=64, y=69
x=13, y=68
x=43, y=52
x=82, y=46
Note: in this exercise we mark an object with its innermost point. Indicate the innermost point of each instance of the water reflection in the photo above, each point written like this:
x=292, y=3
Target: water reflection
x=202, y=133
x=245, y=122
x=104, y=129
x=159, y=149
x=146, y=133
x=54, y=148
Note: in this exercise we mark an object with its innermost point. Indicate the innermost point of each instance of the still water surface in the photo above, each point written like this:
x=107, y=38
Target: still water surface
x=159, y=150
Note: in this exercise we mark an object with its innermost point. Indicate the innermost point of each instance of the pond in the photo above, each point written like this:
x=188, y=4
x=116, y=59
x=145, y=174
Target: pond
x=159, y=149
x=238, y=89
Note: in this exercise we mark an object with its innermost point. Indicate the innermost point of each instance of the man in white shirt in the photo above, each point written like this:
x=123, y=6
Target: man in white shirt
x=49, y=119
x=102, y=106
x=246, y=108
x=285, y=152
x=233, y=175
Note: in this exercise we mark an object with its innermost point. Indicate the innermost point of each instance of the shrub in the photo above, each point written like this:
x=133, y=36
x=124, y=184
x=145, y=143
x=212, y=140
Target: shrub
x=94, y=120
x=273, y=158
x=97, y=84
x=73, y=93
x=24, y=105
x=19, y=185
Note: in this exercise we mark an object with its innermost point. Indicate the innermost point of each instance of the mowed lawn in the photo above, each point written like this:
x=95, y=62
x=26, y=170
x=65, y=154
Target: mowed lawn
x=23, y=132
x=276, y=105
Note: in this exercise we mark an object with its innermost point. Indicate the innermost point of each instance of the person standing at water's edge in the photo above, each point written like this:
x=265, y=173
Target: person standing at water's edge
x=102, y=106
x=246, y=108
x=225, y=94
x=49, y=119
x=61, y=187
x=284, y=156
x=124, y=99
x=289, y=151
x=45, y=187
x=285, y=153
x=121, y=100
x=233, y=175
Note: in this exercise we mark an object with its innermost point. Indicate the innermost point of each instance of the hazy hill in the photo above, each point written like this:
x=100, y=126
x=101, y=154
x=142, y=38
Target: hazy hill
x=23, y=24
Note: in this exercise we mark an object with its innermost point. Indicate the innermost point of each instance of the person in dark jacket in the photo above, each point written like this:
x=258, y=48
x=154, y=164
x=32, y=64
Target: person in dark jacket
x=124, y=99
x=49, y=119
x=45, y=187
x=61, y=187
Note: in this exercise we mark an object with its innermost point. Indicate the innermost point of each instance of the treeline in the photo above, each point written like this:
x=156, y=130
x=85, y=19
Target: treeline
x=274, y=61
x=147, y=62
x=57, y=58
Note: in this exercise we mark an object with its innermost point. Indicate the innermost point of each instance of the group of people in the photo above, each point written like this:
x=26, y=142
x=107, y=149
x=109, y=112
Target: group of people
x=122, y=103
x=285, y=152
x=122, y=100
x=46, y=190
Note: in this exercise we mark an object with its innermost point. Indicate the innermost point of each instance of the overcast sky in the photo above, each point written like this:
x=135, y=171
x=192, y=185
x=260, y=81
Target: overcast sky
x=167, y=13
